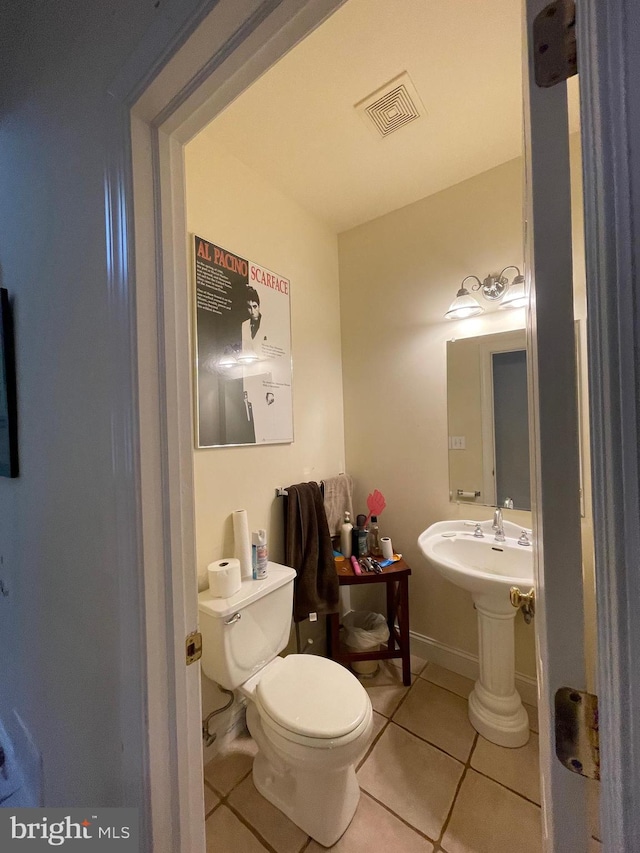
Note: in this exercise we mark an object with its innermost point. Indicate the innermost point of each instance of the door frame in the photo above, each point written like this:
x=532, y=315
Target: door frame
x=610, y=71
x=554, y=432
x=182, y=74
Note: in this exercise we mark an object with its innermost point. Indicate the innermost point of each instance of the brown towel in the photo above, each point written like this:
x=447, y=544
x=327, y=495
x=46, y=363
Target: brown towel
x=309, y=551
x=338, y=499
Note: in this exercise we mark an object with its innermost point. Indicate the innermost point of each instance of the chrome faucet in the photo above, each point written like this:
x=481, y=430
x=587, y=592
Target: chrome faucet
x=498, y=525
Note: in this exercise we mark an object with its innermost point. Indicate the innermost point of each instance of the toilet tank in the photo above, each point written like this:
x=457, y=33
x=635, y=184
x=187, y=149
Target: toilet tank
x=243, y=633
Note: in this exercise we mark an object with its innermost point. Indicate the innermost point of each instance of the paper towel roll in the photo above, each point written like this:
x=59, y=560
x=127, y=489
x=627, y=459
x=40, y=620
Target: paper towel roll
x=387, y=547
x=224, y=577
x=242, y=541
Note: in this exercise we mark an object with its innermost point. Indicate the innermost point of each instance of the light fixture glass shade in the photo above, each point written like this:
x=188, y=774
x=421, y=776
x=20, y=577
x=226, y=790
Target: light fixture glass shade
x=516, y=296
x=463, y=306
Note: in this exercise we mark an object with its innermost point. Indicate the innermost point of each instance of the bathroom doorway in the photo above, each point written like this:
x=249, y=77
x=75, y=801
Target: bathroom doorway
x=169, y=171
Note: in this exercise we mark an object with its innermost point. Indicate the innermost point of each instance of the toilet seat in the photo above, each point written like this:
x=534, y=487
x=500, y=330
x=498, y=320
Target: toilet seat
x=269, y=725
x=312, y=701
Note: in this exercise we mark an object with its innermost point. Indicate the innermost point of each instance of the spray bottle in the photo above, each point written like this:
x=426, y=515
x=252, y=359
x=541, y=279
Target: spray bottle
x=259, y=554
x=345, y=536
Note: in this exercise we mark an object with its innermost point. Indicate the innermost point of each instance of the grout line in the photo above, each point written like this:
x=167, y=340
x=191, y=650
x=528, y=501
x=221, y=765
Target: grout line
x=468, y=762
x=497, y=781
x=397, y=662
x=455, y=796
x=215, y=808
x=236, y=784
x=372, y=744
x=208, y=814
x=253, y=830
x=448, y=689
x=397, y=816
x=506, y=787
x=224, y=801
x=430, y=743
x=403, y=698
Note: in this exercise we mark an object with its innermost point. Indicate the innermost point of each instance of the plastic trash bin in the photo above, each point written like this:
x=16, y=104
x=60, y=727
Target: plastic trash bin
x=364, y=632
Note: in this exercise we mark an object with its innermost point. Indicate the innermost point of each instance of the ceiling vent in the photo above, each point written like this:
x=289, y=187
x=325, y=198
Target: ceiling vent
x=392, y=106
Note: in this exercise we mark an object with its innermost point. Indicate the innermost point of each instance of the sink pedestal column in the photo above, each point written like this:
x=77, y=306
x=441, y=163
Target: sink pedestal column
x=495, y=707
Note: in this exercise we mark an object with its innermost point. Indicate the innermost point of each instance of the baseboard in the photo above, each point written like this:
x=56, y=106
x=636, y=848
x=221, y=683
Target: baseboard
x=466, y=664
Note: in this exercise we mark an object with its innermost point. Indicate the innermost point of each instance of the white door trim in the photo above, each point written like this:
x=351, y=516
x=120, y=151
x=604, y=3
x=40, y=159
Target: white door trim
x=553, y=414
x=609, y=63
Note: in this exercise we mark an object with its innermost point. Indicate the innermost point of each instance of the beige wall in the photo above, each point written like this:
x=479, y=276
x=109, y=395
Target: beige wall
x=232, y=206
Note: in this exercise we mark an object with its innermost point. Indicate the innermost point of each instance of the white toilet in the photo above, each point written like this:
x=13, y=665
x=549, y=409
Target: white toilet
x=310, y=717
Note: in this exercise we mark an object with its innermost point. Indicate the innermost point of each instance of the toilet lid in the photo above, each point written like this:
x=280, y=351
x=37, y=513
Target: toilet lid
x=313, y=696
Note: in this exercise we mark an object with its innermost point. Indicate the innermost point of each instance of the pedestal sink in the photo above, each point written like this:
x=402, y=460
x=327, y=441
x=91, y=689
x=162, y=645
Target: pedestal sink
x=488, y=569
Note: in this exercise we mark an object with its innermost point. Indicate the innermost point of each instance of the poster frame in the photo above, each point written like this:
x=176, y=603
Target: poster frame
x=196, y=378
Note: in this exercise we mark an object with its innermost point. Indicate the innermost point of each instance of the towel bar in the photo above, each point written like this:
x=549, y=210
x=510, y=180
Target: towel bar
x=283, y=493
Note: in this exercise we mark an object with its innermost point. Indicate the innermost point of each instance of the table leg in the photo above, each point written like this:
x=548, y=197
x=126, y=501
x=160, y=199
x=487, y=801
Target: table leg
x=391, y=613
x=403, y=624
x=333, y=635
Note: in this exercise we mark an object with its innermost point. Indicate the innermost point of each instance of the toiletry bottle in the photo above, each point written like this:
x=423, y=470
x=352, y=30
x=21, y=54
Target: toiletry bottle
x=345, y=536
x=259, y=554
x=374, y=537
x=354, y=542
x=362, y=548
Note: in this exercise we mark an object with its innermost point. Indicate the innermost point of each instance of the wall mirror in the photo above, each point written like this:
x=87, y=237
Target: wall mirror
x=488, y=418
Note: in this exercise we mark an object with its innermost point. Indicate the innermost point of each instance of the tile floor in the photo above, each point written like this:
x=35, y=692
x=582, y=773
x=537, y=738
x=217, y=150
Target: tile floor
x=430, y=783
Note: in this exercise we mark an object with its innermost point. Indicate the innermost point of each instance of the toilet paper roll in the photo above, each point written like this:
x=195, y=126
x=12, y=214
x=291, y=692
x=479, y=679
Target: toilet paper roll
x=387, y=547
x=242, y=542
x=224, y=577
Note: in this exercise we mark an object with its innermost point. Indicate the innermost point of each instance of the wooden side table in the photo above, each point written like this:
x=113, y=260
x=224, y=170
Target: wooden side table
x=396, y=577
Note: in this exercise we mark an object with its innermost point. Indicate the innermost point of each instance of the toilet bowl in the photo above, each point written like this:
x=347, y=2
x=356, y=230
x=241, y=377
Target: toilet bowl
x=310, y=717
x=312, y=721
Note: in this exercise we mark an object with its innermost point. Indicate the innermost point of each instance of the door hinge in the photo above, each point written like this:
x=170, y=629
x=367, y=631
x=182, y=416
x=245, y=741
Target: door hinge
x=554, y=43
x=194, y=647
x=577, y=733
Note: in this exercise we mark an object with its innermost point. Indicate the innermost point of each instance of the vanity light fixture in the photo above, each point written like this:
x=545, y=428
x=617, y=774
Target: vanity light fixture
x=493, y=288
x=465, y=305
x=516, y=296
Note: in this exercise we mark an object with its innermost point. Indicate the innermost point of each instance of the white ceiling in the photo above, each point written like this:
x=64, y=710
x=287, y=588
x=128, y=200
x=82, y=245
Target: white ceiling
x=297, y=126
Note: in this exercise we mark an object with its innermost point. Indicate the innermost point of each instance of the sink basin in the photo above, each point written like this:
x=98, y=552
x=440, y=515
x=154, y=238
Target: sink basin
x=488, y=569
x=482, y=566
